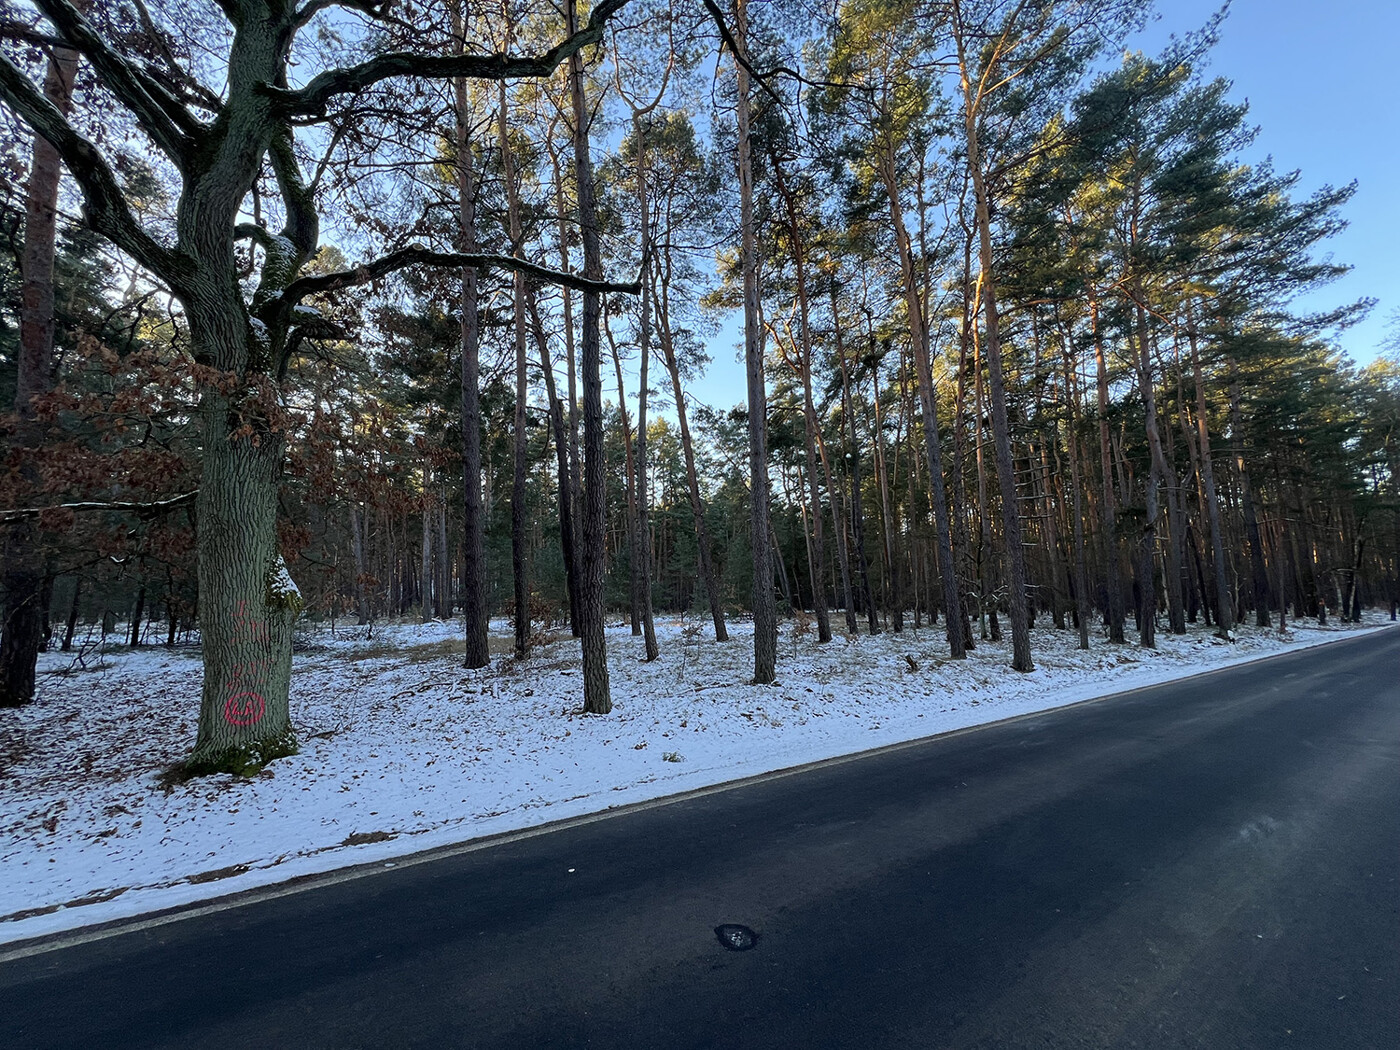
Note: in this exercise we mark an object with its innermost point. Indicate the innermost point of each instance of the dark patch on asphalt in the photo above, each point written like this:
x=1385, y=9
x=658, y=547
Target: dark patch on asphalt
x=735, y=937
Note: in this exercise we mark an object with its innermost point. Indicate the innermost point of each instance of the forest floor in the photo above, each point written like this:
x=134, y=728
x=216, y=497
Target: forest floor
x=403, y=750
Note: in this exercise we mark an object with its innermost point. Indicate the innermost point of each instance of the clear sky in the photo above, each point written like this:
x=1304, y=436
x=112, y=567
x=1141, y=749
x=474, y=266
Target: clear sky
x=1322, y=78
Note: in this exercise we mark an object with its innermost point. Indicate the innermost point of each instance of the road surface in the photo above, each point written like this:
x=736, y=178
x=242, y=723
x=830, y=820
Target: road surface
x=1212, y=863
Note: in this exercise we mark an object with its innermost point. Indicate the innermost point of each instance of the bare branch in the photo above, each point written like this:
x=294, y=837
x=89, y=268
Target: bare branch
x=312, y=99
x=764, y=75
x=251, y=231
x=144, y=510
x=415, y=255
x=375, y=9
x=170, y=126
x=12, y=30
x=104, y=203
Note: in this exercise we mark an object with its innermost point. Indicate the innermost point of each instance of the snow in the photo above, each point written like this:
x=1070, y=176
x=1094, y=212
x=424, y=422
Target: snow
x=403, y=750
x=280, y=582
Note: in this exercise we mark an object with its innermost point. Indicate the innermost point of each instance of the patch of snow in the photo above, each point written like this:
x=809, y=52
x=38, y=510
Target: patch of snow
x=402, y=749
x=280, y=581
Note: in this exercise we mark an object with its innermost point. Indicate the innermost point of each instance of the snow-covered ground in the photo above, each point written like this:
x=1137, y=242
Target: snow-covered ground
x=402, y=749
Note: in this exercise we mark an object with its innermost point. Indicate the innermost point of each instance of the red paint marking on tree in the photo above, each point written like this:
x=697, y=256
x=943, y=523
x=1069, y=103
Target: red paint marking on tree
x=244, y=627
x=244, y=709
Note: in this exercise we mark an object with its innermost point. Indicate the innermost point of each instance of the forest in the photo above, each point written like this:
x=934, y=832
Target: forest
x=354, y=310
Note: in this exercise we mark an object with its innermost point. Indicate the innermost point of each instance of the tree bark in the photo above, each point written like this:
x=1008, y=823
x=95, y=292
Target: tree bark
x=704, y=552
x=857, y=498
x=248, y=601
x=72, y=624
x=643, y=391
x=765, y=613
x=442, y=580
x=1001, y=429
x=425, y=569
x=1224, y=608
x=1108, y=505
x=22, y=580
x=817, y=540
x=597, y=697
x=478, y=652
x=1259, y=576
x=634, y=555
x=567, y=542
x=519, y=513
x=839, y=519
x=918, y=337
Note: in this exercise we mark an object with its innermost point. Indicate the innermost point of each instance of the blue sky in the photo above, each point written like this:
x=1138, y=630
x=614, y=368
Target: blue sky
x=1321, y=82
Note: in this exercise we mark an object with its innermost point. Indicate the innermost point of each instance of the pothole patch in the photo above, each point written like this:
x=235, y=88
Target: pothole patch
x=736, y=938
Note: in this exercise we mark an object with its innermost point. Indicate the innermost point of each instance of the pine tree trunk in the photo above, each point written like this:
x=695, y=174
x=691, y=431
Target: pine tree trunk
x=442, y=581
x=425, y=573
x=918, y=336
x=519, y=512
x=1224, y=609
x=634, y=556
x=765, y=613
x=990, y=624
x=1113, y=580
x=22, y=620
x=72, y=624
x=1160, y=475
x=568, y=544
x=1259, y=576
x=704, y=554
x=816, y=562
x=643, y=390
x=1001, y=428
x=838, y=517
x=566, y=299
x=1081, y=575
x=597, y=697
x=894, y=603
x=134, y=639
x=966, y=568
x=478, y=653
x=857, y=508
x=357, y=546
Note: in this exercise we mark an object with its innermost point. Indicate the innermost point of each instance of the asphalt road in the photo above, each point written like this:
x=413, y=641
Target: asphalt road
x=1214, y=863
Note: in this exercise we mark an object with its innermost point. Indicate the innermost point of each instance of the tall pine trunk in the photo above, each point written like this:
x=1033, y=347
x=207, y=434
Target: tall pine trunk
x=996, y=375
x=857, y=498
x=1224, y=607
x=1259, y=576
x=519, y=513
x=704, y=550
x=918, y=336
x=567, y=532
x=22, y=619
x=1113, y=580
x=816, y=540
x=478, y=653
x=597, y=697
x=765, y=612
